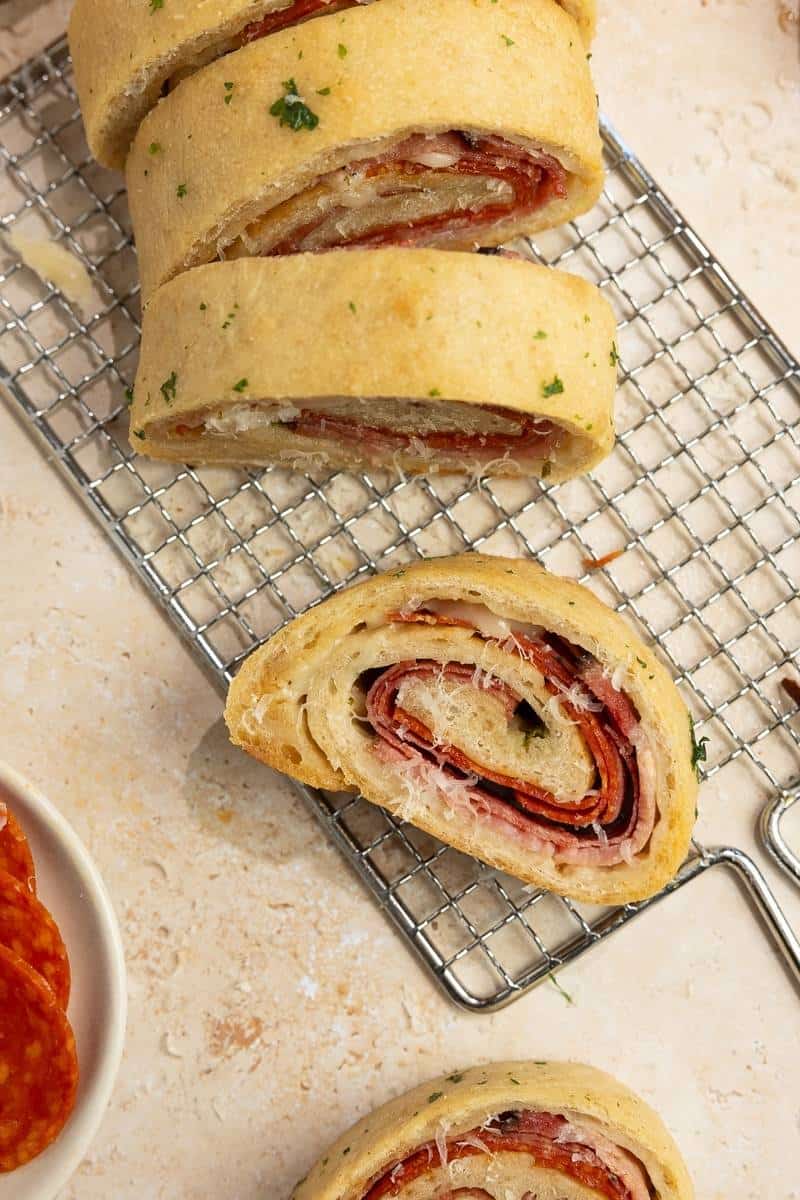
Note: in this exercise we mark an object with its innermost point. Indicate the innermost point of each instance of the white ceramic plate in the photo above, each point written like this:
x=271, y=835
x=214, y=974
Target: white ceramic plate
x=69, y=885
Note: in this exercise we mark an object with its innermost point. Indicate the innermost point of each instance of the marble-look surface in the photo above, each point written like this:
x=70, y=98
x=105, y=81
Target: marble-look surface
x=270, y=1003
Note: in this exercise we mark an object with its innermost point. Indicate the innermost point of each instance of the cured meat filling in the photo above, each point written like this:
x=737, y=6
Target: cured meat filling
x=613, y=820
x=294, y=14
x=421, y=428
x=435, y=189
x=521, y=1140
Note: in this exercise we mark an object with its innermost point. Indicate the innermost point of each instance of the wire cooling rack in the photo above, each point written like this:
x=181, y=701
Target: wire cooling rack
x=700, y=494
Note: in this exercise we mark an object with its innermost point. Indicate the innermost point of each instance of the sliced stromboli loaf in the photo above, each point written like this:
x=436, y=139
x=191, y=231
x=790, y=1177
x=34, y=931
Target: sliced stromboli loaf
x=506, y=1131
x=128, y=53
x=418, y=360
x=455, y=123
x=500, y=708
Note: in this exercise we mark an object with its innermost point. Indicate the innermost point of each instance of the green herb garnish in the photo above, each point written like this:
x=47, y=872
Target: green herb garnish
x=228, y=85
x=341, y=50
x=129, y=395
x=326, y=91
x=435, y=1096
x=455, y=1078
x=155, y=5
x=139, y=433
x=554, y=388
x=291, y=110
x=154, y=148
x=699, y=753
x=508, y=41
x=560, y=989
x=240, y=386
x=540, y=335
x=613, y=355
x=434, y=392
x=181, y=190
x=169, y=387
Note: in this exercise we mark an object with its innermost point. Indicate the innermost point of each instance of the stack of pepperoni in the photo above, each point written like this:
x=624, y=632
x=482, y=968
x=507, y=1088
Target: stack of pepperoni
x=38, y=1063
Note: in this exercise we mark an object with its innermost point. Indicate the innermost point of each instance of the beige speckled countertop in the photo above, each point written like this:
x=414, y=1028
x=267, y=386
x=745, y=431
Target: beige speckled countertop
x=270, y=1002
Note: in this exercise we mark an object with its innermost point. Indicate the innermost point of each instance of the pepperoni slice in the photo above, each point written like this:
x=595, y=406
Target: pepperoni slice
x=15, y=853
x=27, y=929
x=38, y=1063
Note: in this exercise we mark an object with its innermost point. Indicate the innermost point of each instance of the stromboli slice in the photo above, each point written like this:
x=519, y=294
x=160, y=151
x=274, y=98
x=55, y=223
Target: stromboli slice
x=454, y=123
x=420, y=360
x=126, y=55
x=500, y=708
x=506, y=1131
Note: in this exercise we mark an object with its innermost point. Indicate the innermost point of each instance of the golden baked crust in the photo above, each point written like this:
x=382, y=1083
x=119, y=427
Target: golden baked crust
x=201, y=171
x=123, y=54
x=463, y=1100
x=381, y=323
x=291, y=705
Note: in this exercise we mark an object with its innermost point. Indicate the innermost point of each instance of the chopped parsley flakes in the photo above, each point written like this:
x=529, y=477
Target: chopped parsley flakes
x=508, y=41
x=181, y=190
x=341, y=50
x=613, y=356
x=699, y=753
x=155, y=5
x=154, y=148
x=169, y=387
x=291, y=109
x=229, y=86
x=560, y=989
x=539, y=336
x=240, y=386
x=554, y=388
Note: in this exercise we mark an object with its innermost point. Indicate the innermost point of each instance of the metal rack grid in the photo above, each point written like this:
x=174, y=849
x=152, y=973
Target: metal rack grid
x=700, y=493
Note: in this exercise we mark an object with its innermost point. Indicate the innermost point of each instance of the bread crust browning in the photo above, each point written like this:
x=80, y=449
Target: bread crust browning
x=277, y=711
x=412, y=324
x=513, y=69
x=463, y=1100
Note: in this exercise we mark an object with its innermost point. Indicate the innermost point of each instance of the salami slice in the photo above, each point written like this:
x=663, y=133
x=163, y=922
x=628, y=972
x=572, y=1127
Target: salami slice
x=15, y=853
x=27, y=929
x=38, y=1063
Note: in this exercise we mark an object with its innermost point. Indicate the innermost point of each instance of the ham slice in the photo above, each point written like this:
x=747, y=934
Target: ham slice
x=549, y=1140
x=610, y=824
